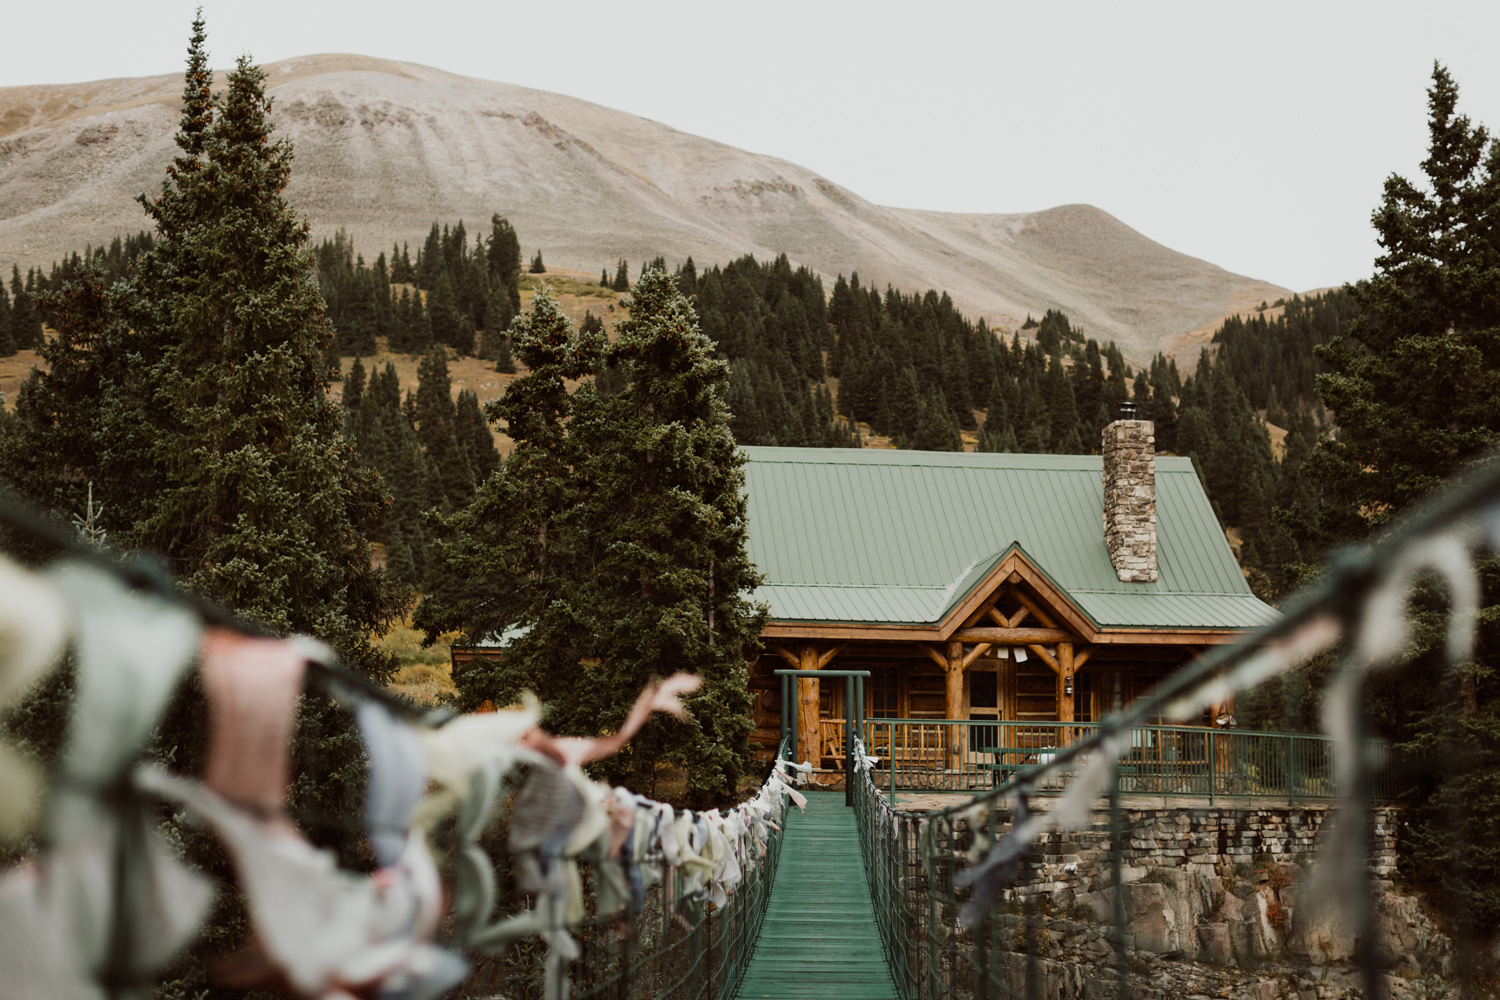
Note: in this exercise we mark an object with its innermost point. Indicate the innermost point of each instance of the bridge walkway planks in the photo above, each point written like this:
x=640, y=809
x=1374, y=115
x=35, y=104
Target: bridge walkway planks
x=819, y=937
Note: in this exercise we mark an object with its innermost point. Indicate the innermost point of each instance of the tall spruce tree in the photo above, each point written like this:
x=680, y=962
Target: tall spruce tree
x=7, y=339
x=56, y=446
x=1415, y=380
x=25, y=318
x=1414, y=385
x=257, y=500
x=506, y=562
x=503, y=260
x=610, y=544
x=664, y=508
x=194, y=394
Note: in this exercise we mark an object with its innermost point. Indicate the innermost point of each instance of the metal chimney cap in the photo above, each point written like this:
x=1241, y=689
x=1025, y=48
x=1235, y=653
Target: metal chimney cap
x=1127, y=410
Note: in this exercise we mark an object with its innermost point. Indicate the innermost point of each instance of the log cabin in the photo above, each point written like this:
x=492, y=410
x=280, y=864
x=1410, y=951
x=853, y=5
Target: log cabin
x=1022, y=588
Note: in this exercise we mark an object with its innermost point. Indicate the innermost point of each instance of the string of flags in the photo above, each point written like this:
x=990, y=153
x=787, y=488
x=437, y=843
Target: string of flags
x=110, y=902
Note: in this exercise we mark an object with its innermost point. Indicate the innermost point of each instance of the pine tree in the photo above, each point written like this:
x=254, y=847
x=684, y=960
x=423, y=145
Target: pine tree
x=498, y=316
x=665, y=503
x=258, y=502
x=354, y=386
x=937, y=429
x=430, y=259
x=1415, y=380
x=504, y=260
x=25, y=318
x=453, y=475
x=194, y=394
x=504, y=561
x=442, y=313
x=474, y=435
x=7, y=339
x=1414, y=386
x=613, y=539
x=57, y=442
x=504, y=361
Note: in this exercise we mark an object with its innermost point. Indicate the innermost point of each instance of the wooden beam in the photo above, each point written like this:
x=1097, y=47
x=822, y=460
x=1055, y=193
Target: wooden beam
x=994, y=616
x=826, y=657
x=979, y=613
x=935, y=656
x=787, y=655
x=1081, y=658
x=1012, y=636
x=975, y=653
x=1035, y=609
x=1047, y=657
x=1183, y=638
x=1012, y=621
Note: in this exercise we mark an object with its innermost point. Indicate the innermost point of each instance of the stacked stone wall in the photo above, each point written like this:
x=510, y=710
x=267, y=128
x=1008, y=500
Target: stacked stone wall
x=1205, y=842
x=1130, y=498
x=1214, y=906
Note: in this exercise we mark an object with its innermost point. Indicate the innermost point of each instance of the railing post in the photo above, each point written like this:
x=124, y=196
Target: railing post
x=1291, y=777
x=890, y=758
x=791, y=707
x=848, y=741
x=859, y=702
x=1213, y=773
x=784, y=681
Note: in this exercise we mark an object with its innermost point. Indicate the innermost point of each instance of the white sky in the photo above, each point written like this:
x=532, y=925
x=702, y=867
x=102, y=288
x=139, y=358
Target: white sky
x=1253, y=135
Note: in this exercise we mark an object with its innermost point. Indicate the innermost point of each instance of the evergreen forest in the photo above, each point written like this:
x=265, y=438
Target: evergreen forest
x=807, y=368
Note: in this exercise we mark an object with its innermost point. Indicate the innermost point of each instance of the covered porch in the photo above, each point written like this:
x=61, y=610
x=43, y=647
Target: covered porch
x=1015, y=666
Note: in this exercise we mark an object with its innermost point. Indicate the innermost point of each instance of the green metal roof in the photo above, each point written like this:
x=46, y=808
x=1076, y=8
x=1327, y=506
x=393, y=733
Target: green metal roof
x=872, y=536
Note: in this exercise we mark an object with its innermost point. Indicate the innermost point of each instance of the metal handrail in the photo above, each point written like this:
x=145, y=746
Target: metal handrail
x=971, y=755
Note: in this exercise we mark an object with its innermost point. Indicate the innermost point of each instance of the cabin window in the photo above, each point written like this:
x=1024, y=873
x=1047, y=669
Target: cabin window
x=1109, y=692
x=927, y=698
x=1083, y=697
x=885, y=695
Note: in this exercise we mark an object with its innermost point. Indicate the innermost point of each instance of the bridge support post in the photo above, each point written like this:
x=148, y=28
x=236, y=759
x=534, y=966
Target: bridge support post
x=808, y=699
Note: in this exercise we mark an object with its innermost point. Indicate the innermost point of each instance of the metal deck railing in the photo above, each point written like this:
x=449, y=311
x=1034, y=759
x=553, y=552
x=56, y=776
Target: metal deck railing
x=961, y=755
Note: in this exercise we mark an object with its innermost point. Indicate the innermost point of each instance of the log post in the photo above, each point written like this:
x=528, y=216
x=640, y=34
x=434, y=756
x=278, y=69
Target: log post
x=1065, y=688
x=953, y=701
x=809, y=735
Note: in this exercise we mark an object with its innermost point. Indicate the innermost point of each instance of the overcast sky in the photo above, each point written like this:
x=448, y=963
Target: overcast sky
x=1253, y=135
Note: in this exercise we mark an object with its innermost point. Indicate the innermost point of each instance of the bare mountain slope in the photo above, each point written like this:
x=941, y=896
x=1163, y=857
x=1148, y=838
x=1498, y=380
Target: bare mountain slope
x=385, y=148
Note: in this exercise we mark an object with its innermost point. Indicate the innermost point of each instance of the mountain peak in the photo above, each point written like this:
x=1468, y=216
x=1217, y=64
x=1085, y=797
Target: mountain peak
x=384, y=148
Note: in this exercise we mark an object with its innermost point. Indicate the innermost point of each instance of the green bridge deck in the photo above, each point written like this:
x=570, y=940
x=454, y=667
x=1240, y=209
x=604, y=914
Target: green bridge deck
x=819, y=937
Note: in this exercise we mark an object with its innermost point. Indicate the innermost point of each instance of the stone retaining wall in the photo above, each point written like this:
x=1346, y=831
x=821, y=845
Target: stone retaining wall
x=1213, y=893
x=1208, y=842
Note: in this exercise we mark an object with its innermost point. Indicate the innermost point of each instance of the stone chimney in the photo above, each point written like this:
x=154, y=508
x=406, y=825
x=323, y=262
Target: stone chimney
x=1130, y=496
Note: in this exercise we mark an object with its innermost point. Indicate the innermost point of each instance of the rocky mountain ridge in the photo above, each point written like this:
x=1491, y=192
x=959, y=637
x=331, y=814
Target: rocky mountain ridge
x=385, y=148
